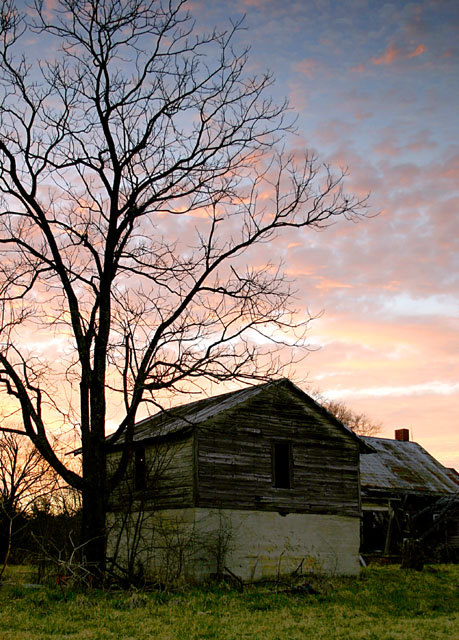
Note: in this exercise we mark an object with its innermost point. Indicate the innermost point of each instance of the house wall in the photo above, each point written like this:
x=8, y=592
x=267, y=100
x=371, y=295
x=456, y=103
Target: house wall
x=195, y=543
x=169, y=479
x=235, y=460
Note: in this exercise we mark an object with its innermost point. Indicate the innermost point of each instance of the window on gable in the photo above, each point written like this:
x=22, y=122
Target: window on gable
x=139, y=468
x=282, y=464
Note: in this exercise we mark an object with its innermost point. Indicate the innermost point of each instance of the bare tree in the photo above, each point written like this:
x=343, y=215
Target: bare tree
x=25, y=478
x=131, y=169
x=360, y=423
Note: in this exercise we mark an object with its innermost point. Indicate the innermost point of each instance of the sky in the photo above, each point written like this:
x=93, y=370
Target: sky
x=375, y=87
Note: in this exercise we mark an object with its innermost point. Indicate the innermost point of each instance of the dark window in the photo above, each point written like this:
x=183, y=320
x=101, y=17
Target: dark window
x=282, y=464
x=139, y=468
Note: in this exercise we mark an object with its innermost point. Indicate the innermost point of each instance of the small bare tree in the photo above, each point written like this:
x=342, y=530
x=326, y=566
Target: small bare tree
x=358, y=422
x=25, y=478
x=132, y=165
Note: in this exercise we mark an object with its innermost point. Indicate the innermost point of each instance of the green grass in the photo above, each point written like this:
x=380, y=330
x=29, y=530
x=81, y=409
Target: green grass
x=384, y=603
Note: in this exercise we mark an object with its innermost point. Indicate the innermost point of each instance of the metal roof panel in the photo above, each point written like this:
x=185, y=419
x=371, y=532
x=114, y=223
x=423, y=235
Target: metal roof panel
x=404, y=467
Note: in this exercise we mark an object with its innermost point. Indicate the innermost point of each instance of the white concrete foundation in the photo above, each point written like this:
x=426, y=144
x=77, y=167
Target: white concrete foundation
x=191, y=544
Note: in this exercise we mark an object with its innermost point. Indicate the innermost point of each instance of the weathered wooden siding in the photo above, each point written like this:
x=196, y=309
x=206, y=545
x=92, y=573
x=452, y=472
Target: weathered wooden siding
x=235, y=463
x=169, y=478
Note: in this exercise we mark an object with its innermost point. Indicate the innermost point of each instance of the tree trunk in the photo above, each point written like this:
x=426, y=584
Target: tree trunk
x=9, y=535
x=94, y=511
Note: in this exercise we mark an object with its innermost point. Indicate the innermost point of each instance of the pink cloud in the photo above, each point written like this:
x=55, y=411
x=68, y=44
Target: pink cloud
x=307, y=66
x=330, y=131
x=332, y=284
x=391, y=54
x=387, y=147
x=394, y=53
x=393, y=285
x=417, y=52
x=361, y=115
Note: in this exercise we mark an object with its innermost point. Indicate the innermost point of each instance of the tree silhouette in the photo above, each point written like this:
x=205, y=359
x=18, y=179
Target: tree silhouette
x=360, y=423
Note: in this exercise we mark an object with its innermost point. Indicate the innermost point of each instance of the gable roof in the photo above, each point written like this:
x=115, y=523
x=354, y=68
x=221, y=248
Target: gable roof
x=404, y=467
x=184, y=418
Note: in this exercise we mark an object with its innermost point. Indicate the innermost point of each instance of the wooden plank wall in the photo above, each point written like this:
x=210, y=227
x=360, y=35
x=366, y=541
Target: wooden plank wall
x=235, y=467
x=169, y=479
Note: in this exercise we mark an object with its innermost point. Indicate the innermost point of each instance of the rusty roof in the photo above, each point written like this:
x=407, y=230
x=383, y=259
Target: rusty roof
x=403, y=467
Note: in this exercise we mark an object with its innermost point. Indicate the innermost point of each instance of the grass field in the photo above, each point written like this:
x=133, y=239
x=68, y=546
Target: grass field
x=384, y=603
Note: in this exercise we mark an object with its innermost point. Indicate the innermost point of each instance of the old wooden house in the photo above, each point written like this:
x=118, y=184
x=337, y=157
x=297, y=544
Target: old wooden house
x=408, y=494
x=259, y=481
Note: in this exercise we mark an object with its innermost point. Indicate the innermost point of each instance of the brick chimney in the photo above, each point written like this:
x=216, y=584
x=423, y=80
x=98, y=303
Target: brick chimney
x=402, y=434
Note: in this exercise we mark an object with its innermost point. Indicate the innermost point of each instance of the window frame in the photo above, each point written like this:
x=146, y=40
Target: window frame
x=281, y=452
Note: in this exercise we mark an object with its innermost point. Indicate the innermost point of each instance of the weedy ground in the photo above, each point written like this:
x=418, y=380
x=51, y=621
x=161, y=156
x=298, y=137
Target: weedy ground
x=383, y=603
